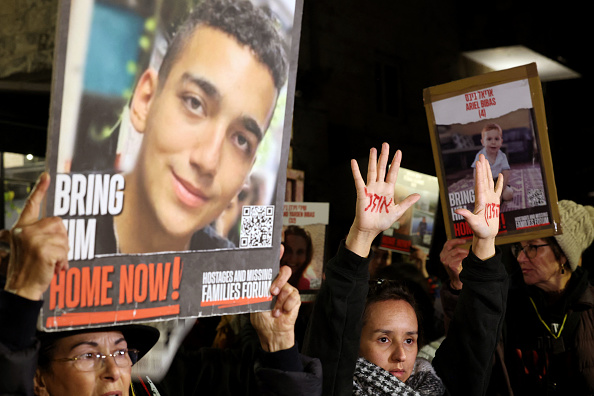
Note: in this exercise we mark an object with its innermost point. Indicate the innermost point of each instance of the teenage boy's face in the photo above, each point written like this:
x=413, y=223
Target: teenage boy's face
x=492, y=141
x=201, y=128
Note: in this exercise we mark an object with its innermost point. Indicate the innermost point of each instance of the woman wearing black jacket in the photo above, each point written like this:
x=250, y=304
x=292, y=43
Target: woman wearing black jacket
x=334, y=334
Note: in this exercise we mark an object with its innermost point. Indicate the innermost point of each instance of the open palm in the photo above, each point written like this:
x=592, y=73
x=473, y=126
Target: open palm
x=484, y=222
x=376, y=210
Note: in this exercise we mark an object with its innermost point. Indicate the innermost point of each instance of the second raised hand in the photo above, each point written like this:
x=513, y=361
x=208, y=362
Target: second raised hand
x=376, y=208
x=484, y=222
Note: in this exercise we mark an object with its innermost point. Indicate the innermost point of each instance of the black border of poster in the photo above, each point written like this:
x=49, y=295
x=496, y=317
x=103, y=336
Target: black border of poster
x=118, y=288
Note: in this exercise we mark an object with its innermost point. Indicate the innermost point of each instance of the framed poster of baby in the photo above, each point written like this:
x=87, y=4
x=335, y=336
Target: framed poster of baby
x=501, y=115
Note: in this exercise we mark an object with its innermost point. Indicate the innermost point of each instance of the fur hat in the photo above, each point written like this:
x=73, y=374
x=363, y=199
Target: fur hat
x=577, y=225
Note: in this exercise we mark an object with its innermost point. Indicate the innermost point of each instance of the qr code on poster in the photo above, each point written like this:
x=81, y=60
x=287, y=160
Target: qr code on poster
x=536, y=197
x=256, y=226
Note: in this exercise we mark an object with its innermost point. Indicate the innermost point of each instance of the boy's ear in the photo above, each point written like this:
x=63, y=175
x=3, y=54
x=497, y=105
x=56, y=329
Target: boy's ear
x=142, y=99
x=39, y=387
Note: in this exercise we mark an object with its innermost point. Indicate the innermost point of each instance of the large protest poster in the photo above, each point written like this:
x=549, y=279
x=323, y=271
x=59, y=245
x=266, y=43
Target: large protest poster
x=499, y=114
x=167, y=146
x=415, y=227
x=304, y=238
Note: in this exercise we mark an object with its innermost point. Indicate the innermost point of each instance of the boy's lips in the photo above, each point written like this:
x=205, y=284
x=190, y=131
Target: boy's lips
x=187, y=193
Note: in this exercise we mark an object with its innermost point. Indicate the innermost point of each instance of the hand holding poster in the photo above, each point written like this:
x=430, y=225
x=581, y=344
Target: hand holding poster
x=167, y=149
x=500, y=115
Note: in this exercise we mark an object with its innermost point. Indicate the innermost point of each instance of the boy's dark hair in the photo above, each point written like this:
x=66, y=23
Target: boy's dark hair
x=249, y=25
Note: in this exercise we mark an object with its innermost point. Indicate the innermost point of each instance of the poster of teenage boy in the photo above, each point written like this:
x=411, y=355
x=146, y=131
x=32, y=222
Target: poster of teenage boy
x=168, y=142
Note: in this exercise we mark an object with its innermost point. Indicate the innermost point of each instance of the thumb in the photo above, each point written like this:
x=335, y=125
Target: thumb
x=30, y=213
x=409, y=201
x=284, y=273
x=467, y=214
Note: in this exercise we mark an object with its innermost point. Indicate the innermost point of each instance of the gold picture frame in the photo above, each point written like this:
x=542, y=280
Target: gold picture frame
x=509, y=104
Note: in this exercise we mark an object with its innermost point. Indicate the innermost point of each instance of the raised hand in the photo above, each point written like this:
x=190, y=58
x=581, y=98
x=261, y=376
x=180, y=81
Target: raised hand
x=376, y=210
x=484, y=222
x=451, y=257
x=38, y=248
x=276, y=328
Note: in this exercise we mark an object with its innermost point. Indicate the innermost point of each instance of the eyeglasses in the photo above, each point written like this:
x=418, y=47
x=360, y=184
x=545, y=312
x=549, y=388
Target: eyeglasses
x=94, y=361
x=529, y=250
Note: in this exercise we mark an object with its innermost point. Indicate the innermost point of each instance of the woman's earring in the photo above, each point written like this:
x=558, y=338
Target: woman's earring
x=562, y=269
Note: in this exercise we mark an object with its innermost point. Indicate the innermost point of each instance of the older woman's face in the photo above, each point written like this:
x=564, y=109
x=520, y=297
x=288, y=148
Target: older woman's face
x=63, y=378
x=544, y=269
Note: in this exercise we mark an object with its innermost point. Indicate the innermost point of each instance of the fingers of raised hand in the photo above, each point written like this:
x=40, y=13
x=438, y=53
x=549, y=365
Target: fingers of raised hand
x=44, y=240
x=383, y=163
x=394, y=167
x=287, y=301
x=31, y=209
x=452, y=251
x=359, y=183
x=407, y=203
x=284, y=273
x=487, y=175
x=38, y=251
x=372, y=166
x=499, y=186
x=467, y=214
x=481, y=182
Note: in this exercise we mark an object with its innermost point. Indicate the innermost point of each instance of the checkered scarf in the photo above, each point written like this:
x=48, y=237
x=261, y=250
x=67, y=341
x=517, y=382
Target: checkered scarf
x=370, y=379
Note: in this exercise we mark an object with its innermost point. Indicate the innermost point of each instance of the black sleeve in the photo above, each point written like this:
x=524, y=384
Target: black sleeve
x=18, y=345
x=449, y=299
x=464, y=359
x=211, y=371
x=286, y=373
x=242, y=371
x=334, y=328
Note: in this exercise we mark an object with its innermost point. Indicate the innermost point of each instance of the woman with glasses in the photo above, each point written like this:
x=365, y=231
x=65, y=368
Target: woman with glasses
x=98, y=361
x=547, y=347
x=368, y=338
x=90, y=362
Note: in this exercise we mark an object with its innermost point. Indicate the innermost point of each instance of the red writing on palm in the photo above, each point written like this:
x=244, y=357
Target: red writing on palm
x=491, y=212
x=377, y=203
